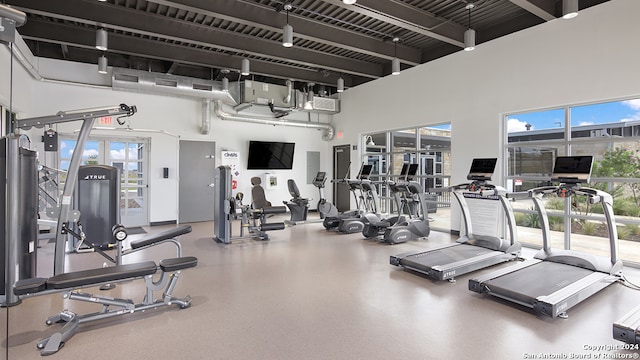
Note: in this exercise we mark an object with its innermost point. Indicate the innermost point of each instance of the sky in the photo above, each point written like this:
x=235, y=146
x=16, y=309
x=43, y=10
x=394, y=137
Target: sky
x=117, y=151
x=611, y=112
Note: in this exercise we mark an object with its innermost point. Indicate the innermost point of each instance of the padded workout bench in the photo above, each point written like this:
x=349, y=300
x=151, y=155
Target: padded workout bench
x=70, y=283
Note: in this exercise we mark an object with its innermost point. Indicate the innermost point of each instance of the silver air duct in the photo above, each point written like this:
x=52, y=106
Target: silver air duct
x=206, y=116
x=143, y=81
x=12, y=14
x=326, y=135
x=287, y=99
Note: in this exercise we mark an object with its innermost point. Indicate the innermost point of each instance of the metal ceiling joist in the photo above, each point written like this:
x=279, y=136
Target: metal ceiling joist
x=127, y=20
x=254, y=15
x=136, y=46
x=543, y=9
x=409, y=18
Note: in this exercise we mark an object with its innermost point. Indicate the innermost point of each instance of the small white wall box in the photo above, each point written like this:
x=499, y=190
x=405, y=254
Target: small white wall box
x=270, y=181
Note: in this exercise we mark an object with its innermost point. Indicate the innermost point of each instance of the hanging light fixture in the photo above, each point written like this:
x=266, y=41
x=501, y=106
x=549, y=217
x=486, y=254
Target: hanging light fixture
x=369, y=141
x=470, y=34
x=245, y=69
x=101, y=39
x=349, y=2
x=287, y=30
x=569, y=9
x=340, y=85
x=395, y=62
x=102, y=64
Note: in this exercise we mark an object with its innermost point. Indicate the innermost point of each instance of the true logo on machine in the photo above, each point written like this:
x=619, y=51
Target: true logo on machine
x=95, y=177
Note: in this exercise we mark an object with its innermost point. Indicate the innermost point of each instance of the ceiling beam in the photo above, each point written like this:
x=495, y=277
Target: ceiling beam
x=255, y=15
x=543, y=9
x=42, y=30
x=143, y=23
x=409, y=18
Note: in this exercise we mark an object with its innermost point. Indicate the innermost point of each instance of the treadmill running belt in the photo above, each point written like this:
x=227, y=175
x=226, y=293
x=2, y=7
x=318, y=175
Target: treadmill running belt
x=427, y=260
x=543, y=278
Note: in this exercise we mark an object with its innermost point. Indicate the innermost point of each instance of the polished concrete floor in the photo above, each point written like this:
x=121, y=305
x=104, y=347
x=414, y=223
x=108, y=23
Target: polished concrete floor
x=313, y=294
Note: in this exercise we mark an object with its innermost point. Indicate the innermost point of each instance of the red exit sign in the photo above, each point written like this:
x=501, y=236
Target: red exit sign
x=105, y=120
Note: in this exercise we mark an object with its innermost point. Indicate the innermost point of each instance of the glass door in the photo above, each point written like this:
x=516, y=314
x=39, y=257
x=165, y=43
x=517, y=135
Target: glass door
x=130, y=156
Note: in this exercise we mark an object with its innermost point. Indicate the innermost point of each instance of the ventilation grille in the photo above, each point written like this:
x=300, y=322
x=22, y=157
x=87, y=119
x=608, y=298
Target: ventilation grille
x=323, y=103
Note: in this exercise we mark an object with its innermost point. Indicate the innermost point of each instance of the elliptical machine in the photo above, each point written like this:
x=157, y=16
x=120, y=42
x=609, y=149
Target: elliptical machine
x=325, y=208
x=414, y=228
x=375, y=227
x=338, y=221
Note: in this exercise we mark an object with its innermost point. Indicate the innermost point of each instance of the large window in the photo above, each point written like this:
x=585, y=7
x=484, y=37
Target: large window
x=430, y=148
x=610, y=132
x=127, y=155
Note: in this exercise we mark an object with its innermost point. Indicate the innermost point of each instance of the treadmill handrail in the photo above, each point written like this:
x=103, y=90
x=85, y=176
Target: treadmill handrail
x=594, y=196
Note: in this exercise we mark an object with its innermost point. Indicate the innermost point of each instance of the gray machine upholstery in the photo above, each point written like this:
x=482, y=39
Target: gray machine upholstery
x=298, y=206
x=258, y=199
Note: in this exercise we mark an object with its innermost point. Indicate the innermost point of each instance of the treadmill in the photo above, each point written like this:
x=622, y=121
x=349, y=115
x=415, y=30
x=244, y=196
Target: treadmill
x=555, y=280
x=627, y=329
x=471, y=251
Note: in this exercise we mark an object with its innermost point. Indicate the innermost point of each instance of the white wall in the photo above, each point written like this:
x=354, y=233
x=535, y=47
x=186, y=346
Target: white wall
x=22, y=83
x=175, y=115
x=593, y=57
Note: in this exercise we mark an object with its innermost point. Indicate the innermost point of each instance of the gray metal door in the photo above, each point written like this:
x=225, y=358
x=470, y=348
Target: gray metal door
x=341, y=163
x=197, y=167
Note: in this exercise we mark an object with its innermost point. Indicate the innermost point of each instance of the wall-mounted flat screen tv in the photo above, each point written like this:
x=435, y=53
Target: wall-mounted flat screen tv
x=267, y=155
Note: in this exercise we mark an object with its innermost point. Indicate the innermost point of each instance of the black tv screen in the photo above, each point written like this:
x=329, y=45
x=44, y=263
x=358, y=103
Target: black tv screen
x=267, y=155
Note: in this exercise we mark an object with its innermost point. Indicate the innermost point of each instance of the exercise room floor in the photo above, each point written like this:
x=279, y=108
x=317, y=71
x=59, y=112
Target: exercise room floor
x=313, y=294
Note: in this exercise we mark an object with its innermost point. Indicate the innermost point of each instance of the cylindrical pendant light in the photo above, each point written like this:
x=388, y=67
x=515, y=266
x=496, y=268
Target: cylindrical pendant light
x=395, y=66
x=469, y=40
x=101, y=39
x=287, y=36
x=102, y=64
x=245, y=70
x=395, y=62
x=569, y=9
x=287, y=30
x=340, y=85
x=470, y=34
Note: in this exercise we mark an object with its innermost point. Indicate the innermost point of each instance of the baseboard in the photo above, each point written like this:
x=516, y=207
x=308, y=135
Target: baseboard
x=159, y=223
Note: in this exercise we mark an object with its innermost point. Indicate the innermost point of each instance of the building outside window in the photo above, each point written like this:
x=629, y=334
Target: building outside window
x=608, y=131
x=430, y=148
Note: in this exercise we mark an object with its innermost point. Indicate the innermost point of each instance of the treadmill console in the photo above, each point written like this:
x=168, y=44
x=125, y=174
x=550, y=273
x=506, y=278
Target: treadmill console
x=572, y=169
x=482, y=169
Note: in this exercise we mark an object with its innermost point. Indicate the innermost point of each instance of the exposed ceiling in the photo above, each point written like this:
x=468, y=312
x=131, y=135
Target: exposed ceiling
x=209, y=39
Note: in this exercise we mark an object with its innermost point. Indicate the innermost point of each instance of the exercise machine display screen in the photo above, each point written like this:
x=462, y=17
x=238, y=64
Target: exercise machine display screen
x=365, y=172
x=572, y=169
x=482, y=169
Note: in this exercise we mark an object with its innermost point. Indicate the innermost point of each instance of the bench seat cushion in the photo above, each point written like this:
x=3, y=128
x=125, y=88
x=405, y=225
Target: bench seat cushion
x=168, y=265
x=164, y=235
x=101, y=275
